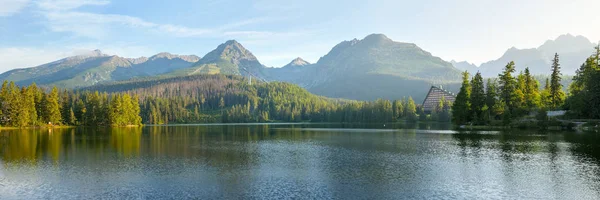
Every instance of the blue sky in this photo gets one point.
(34, 32)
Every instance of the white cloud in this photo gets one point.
(69, 4)
(11, 7)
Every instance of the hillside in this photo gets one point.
(228, 98)
(205, 98)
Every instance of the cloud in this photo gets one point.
(11, 7)
(69, 4)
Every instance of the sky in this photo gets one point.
(34, 32)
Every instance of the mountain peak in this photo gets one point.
(566, 43)
(298, 62)
(230, 50)
(94, 53)
(231, 42)
(228, 58)
(376, 36)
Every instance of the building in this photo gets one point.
(432, 100)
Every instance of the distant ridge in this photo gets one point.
(572, 50)
(96, 67)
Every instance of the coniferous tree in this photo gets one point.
(508, 92)
(72, 119)
(461, 110)
(52, 110)
(557, 96)
(545, 100)
(477, 99)
(532, 94)
(491, 99)
(30, 106)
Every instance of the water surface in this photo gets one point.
(306, 161)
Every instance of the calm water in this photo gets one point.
(324, 161)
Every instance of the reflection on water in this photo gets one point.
(298, 161)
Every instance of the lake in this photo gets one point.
(300, 161)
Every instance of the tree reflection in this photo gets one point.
(126, 141)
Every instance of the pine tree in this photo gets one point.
(13, 105)
(532, 93)
(491, 99)
(52, 110)
(557, 96)
(136, 110)
(29, 104)
(461, 110)
(22, 118)
(72, 118)
(477, 98)
(545, 100)
(508, 90)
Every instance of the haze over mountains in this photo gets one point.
(361, 69)
(572, 51)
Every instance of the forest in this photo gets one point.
(231, 99)
(33, 106)
(194, 99)
(514, 97)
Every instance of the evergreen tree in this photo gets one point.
(557, 96)
(72, 119)
(532, 93)
(478, 99)
(508, 92)
(461, 110)
(52, 110)
(545, 100)
(491, 99)
(29, 105)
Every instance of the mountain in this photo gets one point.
(96, 67)
(298, 62)
(572, 51)
(371, 68)
(464, 66)
(367, 69)
(229, 58)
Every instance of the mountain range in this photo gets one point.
(371, 68)
(360, 69)
(96, 67)
(572, 51)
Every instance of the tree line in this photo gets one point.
(230, 99)
(511, 97)
(35, 106)
(584, 99)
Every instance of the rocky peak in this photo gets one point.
(231, 51)
(298, 62)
